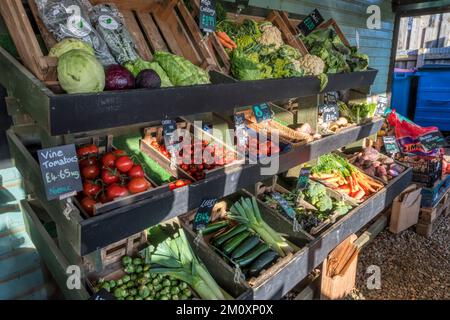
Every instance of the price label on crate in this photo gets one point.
(102, 295)
(284, 204)
(203, 215)
(207, 17)
(382, 104)
(303, 178)
(311, 22)
(60, 171)
(390, 145)
(262, 112)
(169, 127)
(432, 140)
(330, 108)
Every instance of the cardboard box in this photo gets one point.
(405, 209)
(339, 270)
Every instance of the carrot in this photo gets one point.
(344, 189)
(359, 195)
(332, 180)
(226, 40)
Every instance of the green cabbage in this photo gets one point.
(70, 44)
(80, 72)
(243, 67)
(136, 66)
(180, 71)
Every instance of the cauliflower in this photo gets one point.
(312, 65)
(271, 36)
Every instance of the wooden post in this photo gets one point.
(421, 57)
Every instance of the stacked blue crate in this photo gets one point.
(21, 273)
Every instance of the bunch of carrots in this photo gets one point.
(338, 174)
(225, 40)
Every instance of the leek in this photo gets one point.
(175, 257)
(247, 211)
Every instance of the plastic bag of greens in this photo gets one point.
(70, 19)
(108, 21)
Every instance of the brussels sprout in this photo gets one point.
(118, 293)
(130, 298)
(187, 292)
(106, 286)
(125, 293)
(173, 283)
(147, 267)
(138, 298)
(138, 269)
(144, 292)
(183, 285)
(158, 287)
(119, 282)
(123, 287)
(133, 277)
(146, 274)
(126, 278)
(175, 297)
(175, 290)
(133, 292)
(165, 290)
(131, 284)
(149, 298)
(164, 297)
(172, 278)
(142, 281)
(166, 283)
(160, 277)
(121, 298)
(137, 261)
(112, 283)
(155, 281)
(129, 269)
(126, 260)
(184, 297)
(153, 275)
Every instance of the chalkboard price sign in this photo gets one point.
(207, 18)
(60, 171)
(262, 112)
(311, 22)
(390, 145)
(330, 109)
(203, 215)
(303, 178)
(284, 205)
(432, 140)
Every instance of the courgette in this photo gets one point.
(234, 242)
(216, 226)
(248, 258)
(219, 240)
(261, 262)
(245, 247)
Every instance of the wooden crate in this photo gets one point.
(429, 217)
(153, 25)
(279, 19)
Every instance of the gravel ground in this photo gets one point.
(412, 267)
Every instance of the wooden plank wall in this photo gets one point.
(351, 16)
(21, 273)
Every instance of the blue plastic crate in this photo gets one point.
(431, 196)
(401, 90)
(433, 97)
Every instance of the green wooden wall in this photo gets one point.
(351, 16)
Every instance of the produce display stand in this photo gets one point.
(53, 118)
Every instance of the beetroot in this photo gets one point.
(118, 78)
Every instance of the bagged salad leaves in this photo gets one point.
(70, 19)
(108, 22)
(180, 71)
